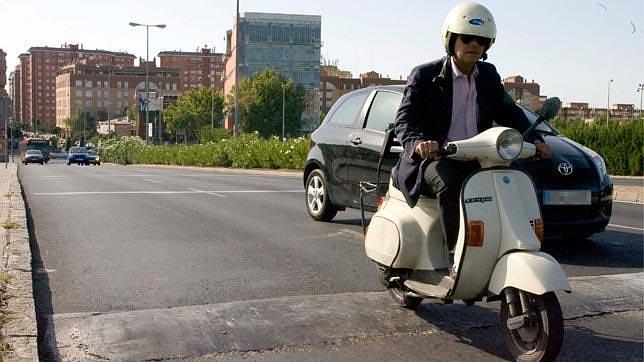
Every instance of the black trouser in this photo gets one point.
(444, 179)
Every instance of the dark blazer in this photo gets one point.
(425, 113)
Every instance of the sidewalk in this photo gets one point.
(19, 331)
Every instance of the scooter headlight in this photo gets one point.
(509, 144)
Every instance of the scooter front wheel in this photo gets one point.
(541, 336)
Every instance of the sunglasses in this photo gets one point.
(466, 39)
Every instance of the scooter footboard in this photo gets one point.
(535, 272)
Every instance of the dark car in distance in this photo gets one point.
(93, 157)
(573, 186)
(77, 155)
(33, 156)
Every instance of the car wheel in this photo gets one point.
(42, 163)
(318, 203)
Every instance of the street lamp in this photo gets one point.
(283, 103)
(608, 103)
(640, 89)
(147, 54)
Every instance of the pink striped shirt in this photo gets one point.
(465, 110)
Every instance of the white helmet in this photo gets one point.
(469, 19)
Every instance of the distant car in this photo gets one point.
(93, 157)
(573, 186)
(58, 153)
(77, 155)
(33, 156)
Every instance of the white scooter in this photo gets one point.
(497, 254)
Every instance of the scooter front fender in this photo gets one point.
(535, 272)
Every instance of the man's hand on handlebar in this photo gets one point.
(428, 150)
(543, 151)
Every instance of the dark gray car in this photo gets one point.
(574, 189)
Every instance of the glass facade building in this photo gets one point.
(290, 44)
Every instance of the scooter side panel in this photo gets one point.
(518, 208)
(474, 264)
(418, 229)
(535, 272)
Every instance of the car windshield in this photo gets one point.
(34, 152)
(92, 153)
(77, 150)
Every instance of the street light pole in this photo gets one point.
(283, 103)
(640, 89)
(236, 115)
(608, 103)
(147, 87)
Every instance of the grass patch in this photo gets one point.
(8, 224)
(5, 278)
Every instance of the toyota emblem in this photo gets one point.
(565, 168)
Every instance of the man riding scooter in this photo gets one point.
(452, 99)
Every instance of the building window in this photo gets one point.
(88, 84)
(118, 84)
(79, 83)
(88, 93)
(79, 93)
(126, 85)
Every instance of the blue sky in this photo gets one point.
(572, 48)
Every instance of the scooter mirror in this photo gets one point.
(550, 108)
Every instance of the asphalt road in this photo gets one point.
(116, 239)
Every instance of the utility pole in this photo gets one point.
(608, 103)
(237, 42)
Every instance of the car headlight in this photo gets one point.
(509, 144)
(598, 161)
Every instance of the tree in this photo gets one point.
(79, 120)
(193, 110)
(260, 104)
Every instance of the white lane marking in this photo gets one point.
(147, 179)
(209, 193)
(77, 193)
(628, 202)
(626, 227)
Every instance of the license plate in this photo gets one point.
(556, 197)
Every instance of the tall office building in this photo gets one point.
(38, 70)
(288, 43)
(203, 68)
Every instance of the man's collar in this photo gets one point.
(457, 72)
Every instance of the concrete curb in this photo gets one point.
(21, 331)
(269, 324)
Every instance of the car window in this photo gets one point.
(348, 111)
(77, 150)
(383, 110)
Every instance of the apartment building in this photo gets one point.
(3, 72)
(526, 93)
(288, 43)
(106, 91)
(203, 68)
(5, 102)
(38, 70)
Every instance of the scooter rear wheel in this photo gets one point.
(541, 337)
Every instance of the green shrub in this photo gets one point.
(621, 145)
(246, 151)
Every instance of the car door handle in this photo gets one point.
(356, 141)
